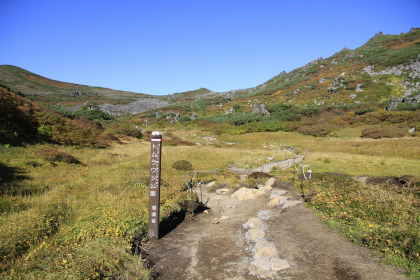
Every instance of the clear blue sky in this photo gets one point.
(162, 47)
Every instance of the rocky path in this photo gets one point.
(265, 233)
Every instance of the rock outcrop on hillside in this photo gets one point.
(393, 103)
(135, 107)
(260, 108)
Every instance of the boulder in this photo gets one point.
(230, 111)
(265, 188)
(246, 193)
(260, 108)
(270, 182)
(393, 103)
(277, 201)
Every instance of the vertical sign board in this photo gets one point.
(154, 189)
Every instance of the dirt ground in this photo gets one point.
(214, 245)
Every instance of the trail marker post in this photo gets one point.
(154, 188)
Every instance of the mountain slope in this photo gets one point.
(51, 91)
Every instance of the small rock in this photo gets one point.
(262, 264)
(223, 218)
(411, 130)
(290, 203)
(252, 223)
(205, 211)
(222, 191)
(277, 201)
(215, 221)
(264, 215)
(270, 182)
(256, 233)
(279, 264)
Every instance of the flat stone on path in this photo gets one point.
(279, 264)
(264, 215)
(277, 193)
(290, 203)
(256, 233)
(246, 194)
(252, 223)
(262, 264)
(263, 248)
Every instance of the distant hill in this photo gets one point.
(51, 91)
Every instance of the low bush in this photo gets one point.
(377, 132)
(94, 115)
(403, 106)
(182, 165)
(317, 130)
(52, 155)
(364, 111)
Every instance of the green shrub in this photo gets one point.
(184, 119)
(403, 106)
(94, 115)
(364, 111)
(377, 132)
(44, 132)
(182, 165)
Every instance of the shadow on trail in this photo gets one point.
(176, 218)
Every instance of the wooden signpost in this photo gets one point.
(154, 189)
